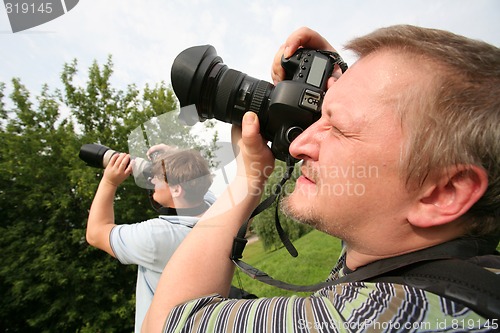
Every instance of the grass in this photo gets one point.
(318, 253)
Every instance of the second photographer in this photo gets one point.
(181, 181)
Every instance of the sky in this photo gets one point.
(144, 36)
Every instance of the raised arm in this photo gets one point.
(201, 265)
(101, 216)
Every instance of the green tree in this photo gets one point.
(50, 279)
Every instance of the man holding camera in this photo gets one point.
(421, 107)
(181, 182)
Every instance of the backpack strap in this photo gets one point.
(440, 269)
(461, 248)
(457, 280)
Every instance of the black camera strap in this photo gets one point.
(192, 211)
(240, 240)
(446, 270)
(337, 59)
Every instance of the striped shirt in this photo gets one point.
(346, 307)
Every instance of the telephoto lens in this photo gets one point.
(98, 156)
(95, 155)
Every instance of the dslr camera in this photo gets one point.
(200, 78)
(98, 156)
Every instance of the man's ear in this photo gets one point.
(449, 197)
(176, 191)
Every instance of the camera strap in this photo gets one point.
(192, 211)
(240, 240)
(446, 270)
(337, 59)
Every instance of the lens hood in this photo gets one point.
(189, 70)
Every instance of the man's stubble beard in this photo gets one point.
(305, 216)
(309, 216)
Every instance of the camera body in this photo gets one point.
(296, 102)
(199, 77)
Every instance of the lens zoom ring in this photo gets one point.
(258, 96)
(226, 86)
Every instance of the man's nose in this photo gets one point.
(306, 145)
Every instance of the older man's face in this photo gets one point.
(350, 179)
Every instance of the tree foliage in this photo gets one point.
(50, 279)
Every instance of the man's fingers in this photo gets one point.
(251, 133)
